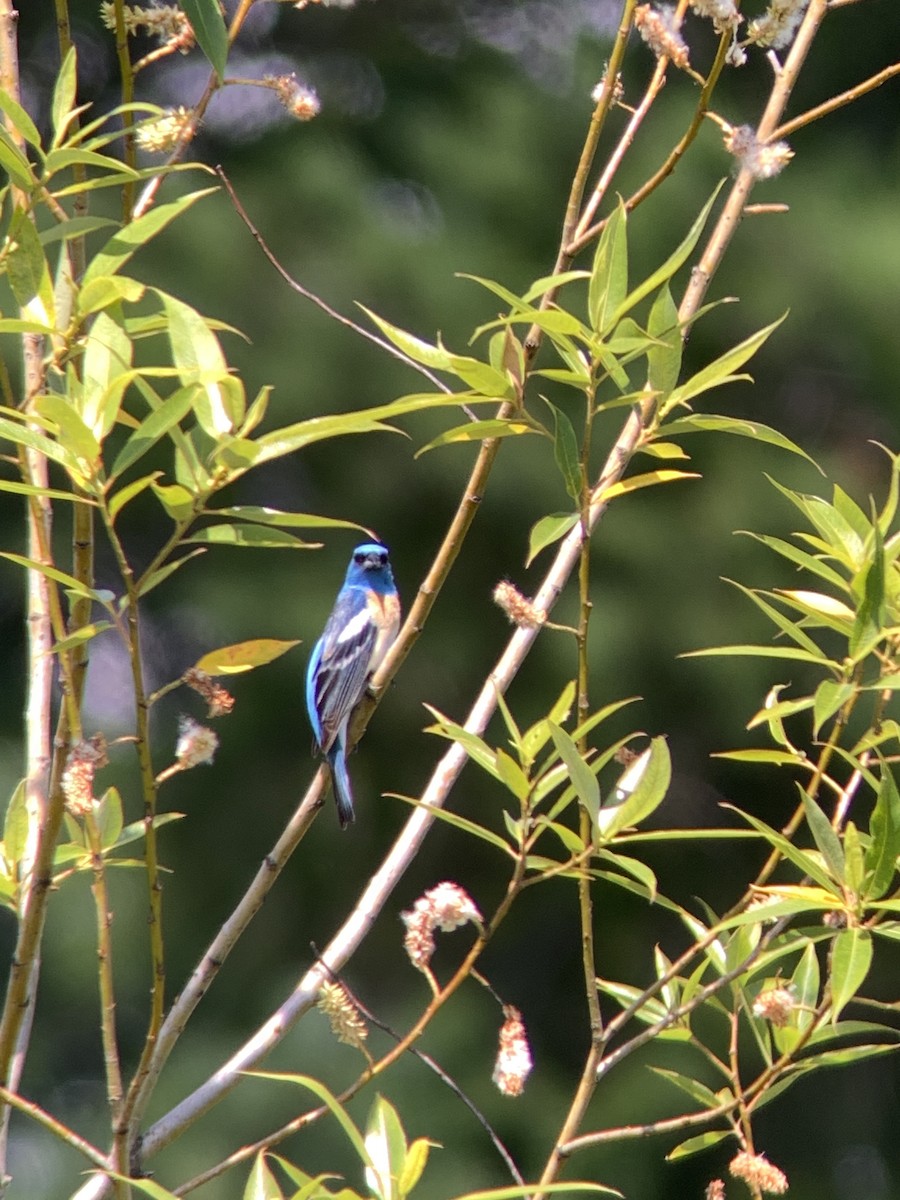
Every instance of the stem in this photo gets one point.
(836, 102)
(114, 1090)
(149, 793)
(50, 1123)
(127, 92)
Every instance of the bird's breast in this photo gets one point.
(384, 613)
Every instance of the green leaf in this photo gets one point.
(29, 273)
(755, 430)
(664, 361)
(641, 789)
(274, 516)
(386, 1144)
(548, 530)
(827, 841)
(650, 479)
(477, 431)
(107, 290)
(458, 822)
(834, 529)
(295, 437)
(884, 837)
(519, 1193)
(80, 636)
(694, 1145)
(721, 370)
(122, 245)
(586, 787)
(15, 827)
(703, 1095)
(565, 451)
(261, 1183)
(259, 537)
(155, 578)
(609, 274)
(331, 1101)
(414, 1166)
(794, 554)
(118, 501)
(198, 356)
(760, 652)
(243, 656)
(208, 25)
(806, 862)
(512, 776)
(870, 617)
(435, 357)
(675, 260)
(31, 489)
(476, 748)
(71, 430)
(536, 738)
(830, 696)
(108, 816)
(146, 1187)
(106, 374)
(12, 160)
(68, 581)
(20, 121)
(64, 96)
(154, 427)
(175, 499)
(805, 983)
(851, 957)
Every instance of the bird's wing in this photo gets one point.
(344, 655)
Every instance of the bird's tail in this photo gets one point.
(342, 793)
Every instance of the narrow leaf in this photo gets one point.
(548, 530)
(851, 957)
(208, 24)
(581, 775)
(477, 431)
(243, 656)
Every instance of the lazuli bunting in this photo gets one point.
(362, 627)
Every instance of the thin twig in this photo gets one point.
(836, 102)
(382, 343)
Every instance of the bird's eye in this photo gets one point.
(359, 558)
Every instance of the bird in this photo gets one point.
(361, 629)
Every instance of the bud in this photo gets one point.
(164, 21)
(762, 160)
(196, 744)
(164, 133)
(723, 13)
(513, 1065)
(775, 1005)
(346, 1023)
(520, 611)
(78, 777)
(757, 1172)
(658, 29)
(444, 907)
(299, 100)
(776, 27)
(219, 701)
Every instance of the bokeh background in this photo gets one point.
(446, 143)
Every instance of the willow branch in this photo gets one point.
(836, 102)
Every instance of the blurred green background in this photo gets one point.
(446, 143)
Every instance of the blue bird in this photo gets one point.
(361, 629)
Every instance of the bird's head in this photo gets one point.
(370, 567)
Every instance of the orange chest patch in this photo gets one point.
(384, 611)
